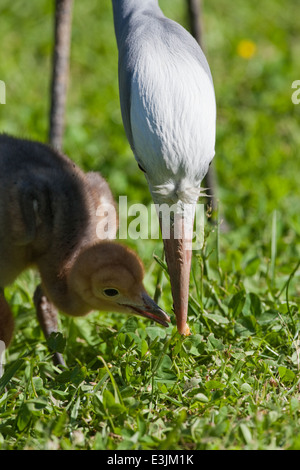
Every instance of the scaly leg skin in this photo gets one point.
(47, 317)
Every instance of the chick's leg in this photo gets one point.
(47, 317)
(6, 321)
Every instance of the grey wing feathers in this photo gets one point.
(182, 40)
(143, 31)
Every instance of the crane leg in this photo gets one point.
(210, 180)
(60, 70)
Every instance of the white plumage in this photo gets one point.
(169, 114)
(172, 116)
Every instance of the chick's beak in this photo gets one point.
(149, 309)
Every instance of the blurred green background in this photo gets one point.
(243, 355)
(253, 49)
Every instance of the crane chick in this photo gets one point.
(48, 220)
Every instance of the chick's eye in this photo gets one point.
(111, 292)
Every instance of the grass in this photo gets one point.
(234, 383)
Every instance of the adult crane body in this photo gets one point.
(50, 211)
(169, 114)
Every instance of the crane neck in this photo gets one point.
(126, 7)
(124, 10)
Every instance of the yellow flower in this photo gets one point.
(246, 49)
